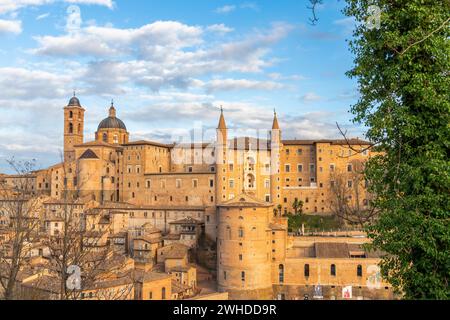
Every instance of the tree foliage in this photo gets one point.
(402, 71)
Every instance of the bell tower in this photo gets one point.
(221, 158)
(275, 155)
(73, 127)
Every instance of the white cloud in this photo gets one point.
(106, 41)
(311, 97)
(226, 9)
(220, 28)
(13, 5)
(43, 16)
(106, 3)
(31, 84)
(241, 84)
(279, 77)
(161, 54)
(10, 26)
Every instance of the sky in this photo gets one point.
(169, 66)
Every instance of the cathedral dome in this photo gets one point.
(112, 122)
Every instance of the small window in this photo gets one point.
(359, 270)
(281, 273)
(333, 270)
(243, 276)
(306, 270)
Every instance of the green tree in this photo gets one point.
(297, 206)
(402, 69)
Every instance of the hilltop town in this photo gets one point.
(119, 219)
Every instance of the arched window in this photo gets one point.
(70, 127)
(116, 139)
(241, 232)
(281, 273)
(70, 114)
(228, 232)
(79, 128)
(163, 293)
(105, 137)
(306, 270)
(333, 270)
(359, 270)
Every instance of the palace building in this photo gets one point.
(236, 191)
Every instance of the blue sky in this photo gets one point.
(169, 65)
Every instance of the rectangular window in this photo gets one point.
(312, 168)
(149, 184)
(350, 183)
(299, 152)
(332, 167)
(267, 183)
(300, 168)
(349, 168)
(178, 183)
(287, 168)
(194, 183)
(267, 197)
(211, 183)
(231, 183)
(243, 276)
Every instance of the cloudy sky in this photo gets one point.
(169, 65)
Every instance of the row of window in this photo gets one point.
(178, 183)
(306, 272)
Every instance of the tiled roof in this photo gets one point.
(174, 251)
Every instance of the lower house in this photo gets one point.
(48, 287)
(153, 286)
